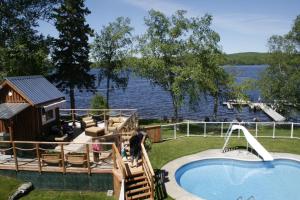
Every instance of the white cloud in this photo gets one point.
(250, 24)
(165, 6)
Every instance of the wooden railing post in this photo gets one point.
(88, 158)
(62, 158)
(15, 156)
(37, 148)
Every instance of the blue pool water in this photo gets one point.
(225, 179)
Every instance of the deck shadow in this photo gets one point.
(161, 177)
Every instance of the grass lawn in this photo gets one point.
(162, 153)
(9, 185)
(66, 195)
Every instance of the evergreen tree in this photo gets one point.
(23, 51)
(71, 54)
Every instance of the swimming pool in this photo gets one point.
(216, 179)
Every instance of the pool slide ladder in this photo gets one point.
(250, 198)
(266, 156)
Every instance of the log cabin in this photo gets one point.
(29, 107)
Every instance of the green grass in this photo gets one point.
(66, 195)
(9, 185)
(162, 153)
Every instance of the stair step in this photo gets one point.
(132, 191)
(140, 196)
(135, 178)
(134, 185)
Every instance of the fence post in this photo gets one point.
(256, 129)
(188, 128)
(273, 130)
(292, 130)
(222, 124)
(87, 151)
(37, 146)
(239, 131)
(204, 129)
(15, 156)
(73, 117)
(62, 158)
(175, 131)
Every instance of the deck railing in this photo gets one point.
(148, 170)
(75, 115)
(120, 172)
(55, 156)
(218, 129)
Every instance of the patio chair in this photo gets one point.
(87, 122)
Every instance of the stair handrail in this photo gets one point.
(148, 169)
(118, 161)
(122, 192)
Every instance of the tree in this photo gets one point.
(23, 51)
(179, 54)
(110, 50)
(98, 102)
(281, 79)
(71, 54)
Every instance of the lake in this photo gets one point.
(153, 102)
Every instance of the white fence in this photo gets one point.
(219, 129)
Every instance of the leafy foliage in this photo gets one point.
(98, 102)
(22, 50)
(71, 53)
(110, 50)
(246, 58)
(281, 80)
(182, 56)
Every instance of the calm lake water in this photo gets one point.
(153, 102)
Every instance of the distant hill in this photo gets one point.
(246, 58)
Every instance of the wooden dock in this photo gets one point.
(262, 106)
(270, 112)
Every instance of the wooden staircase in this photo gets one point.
(137, 187)
(138, 181)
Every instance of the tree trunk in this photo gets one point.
(107, 91)
(175, 108)
(216, 100)
(72, 98)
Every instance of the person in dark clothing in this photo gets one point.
(135, 146)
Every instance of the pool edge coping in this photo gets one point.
(177, 192)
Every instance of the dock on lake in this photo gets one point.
(263, 106)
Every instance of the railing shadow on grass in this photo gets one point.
(161, 177)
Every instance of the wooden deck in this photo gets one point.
(9, 163)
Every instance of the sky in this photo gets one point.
(243, 25)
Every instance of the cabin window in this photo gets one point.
(48, 116)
